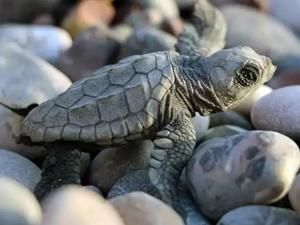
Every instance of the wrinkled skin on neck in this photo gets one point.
(194, 85)
(221, 81)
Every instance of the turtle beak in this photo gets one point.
(269, 70)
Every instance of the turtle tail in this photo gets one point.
(19, 109)
(204, 33)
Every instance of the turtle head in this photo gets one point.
(237, 73)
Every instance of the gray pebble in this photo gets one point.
(18, 168)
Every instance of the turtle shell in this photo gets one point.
(117, 103)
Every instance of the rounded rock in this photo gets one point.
(18, 206)
(19, 169)
(294, 194)
(44, 41)
(286, 11)
(40, 83)
(72, 205)
(284, 79)
(245, 107)
(256, 167)
(260, 215)
(113, 163)
(100, 47)
(279, 111)
(147, 40)
(143, 209)
(269, 33)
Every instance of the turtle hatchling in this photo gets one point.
(151, 96)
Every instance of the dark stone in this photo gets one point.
(24, 11)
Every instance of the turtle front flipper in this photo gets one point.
(19, 109)
(174, 146)
(204, 33)
(61, 167)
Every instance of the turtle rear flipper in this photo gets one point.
(19, 109)
(204, 33)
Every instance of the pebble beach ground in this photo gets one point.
(245, 168)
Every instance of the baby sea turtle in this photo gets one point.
(150, 96)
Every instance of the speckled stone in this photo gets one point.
(113, 163)
(294, 194)
(18, 206)
(256, 167)
(37, 81)
(44, 41)
(143, 209)
(19, 169)
(269, 32)
(222, 131)
(245, 107)
(72, 205)
(260, 215)
(279, 111)
(201, 124)
(229, 118)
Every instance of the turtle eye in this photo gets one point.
(247, 75)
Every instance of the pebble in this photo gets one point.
(285, 63)
(146, 18)
(24, 11)
(146, 40)
(19, 169)
(201, 124)
(222, 131)
(260, 215)
(100, 48)
(229, 118)
(143, 209)
(18, 206)
(86, 14)
(269, 32)
(245, 107)
(286, 11)
(261, 5)
(113, 163)
(279, 111)
(168, 9)
(137, 180)
(255, 167)
(40, 82)
(294, 194)
(44, 41)
(72, 205)
(284, 79)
